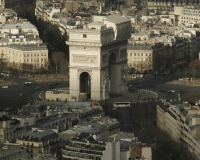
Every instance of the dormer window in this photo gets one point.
(84, 35)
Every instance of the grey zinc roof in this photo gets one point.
(35, 136)
(28, 47)
(116, 19)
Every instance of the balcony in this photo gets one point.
(98, 149)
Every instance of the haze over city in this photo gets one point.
(99, 80)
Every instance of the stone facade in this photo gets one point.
(99, 49)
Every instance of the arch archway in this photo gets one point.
(112, 72)
(85, 84)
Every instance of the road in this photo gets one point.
(151, 87)
(14, 91)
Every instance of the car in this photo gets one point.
(152, 86)
(162, 91)
(36, 88)
(57, 84)
(21, 94)
(172, 91)
(4, 86)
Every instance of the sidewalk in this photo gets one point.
(186, 83)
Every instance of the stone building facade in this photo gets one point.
(98, 53)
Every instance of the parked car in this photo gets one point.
(4, 86)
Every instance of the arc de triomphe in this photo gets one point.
(98, 52)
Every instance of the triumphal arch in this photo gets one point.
(98, 52)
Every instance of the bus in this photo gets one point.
(121, 104)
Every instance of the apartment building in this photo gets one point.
(36, 56)
(100, 132)
(25, 120)
(168, 5)
(16, 28)
(2, 3)
(143, 56)
(36, 109)
(10, 129)
(84, 110)
(182, 123)
(71, 6)
(40, 142)
(10, 151)
(45, 10)
(86, 147)
(58, 122)
(21, 45)
(100, 127)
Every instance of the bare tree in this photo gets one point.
(51, 35)
(3, 65)
(64, 65)
(56, 58)
(194, 65)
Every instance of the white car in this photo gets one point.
(172, 91)
(4, 86)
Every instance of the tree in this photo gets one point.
(192, 97)
(64, 65)
(56, 58)
(194, 65)
(158, 62)
(51, 35)
(3, 65)
(26, 67)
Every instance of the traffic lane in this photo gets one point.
(16, 89)
(158, 84)
(177, 88)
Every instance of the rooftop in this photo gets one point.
(28, 47)
(39, 135)
(116, 19)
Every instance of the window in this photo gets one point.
(130, 54)
(84, 35)
(138, 54)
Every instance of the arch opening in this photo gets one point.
(85, 84)
(112, 72)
